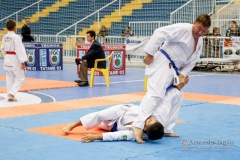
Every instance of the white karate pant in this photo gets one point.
(160, 76)
(104, 119)
(168, 110)
(14, 80)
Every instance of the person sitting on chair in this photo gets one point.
(94, 52)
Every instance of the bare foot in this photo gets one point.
(171, 135)
(67, 129)
(138, 134)
(11, 98)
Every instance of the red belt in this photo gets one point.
(10, 52)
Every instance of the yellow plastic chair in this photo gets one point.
(105, 71)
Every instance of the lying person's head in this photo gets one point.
(153, 129)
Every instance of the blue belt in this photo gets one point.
(170, 87)
(174, 67)
(170, 60)
(114, 128)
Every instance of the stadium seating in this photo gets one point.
(7, 9)
(13, 8)
(55, 21)
(155, 11)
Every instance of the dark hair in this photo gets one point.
(234, 22)
(10, 24)
(155, 131)
(204, 19)
(92, 33)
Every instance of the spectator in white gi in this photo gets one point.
(14, 57)
(182, 46)
(118, 120)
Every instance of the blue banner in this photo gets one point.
(44, 56)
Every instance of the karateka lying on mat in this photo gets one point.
(118, 120)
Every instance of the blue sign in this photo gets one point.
(44, 56)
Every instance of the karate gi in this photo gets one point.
(12, 42)
(178, 42)
(124, 114)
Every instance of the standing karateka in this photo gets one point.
(118, 120)
(172, 52)
(14, 57)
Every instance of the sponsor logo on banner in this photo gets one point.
(50, 45)
(43, 57)
(117, 60)
(30, 45)
(133, 41)
(54, 56)
(31, 56)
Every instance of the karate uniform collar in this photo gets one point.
(11, 32)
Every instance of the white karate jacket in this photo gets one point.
(13, 42)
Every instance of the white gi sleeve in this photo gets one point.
(186, 69)
(20, 49)
(126, 135)
(163, 34)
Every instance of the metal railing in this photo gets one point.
(17, 13)
(188, 12)
(92, 14)
(222, 1)
(220, 54)
(226, 14)
(212, 46)
(223, 24)
(146, 28)
(184, 14)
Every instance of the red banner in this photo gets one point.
(118, 62)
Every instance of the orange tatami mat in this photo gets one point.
(76, 134)
(206, 98)
(212, 98)
(39, 84)
(8, 112)
(42, 108)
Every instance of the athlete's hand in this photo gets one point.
(148, 59)
(181, 79)
(181, 85)
(23, 66)
(187, 79)
(138, 132)
(88, 138)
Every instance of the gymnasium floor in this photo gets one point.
(208, 122)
